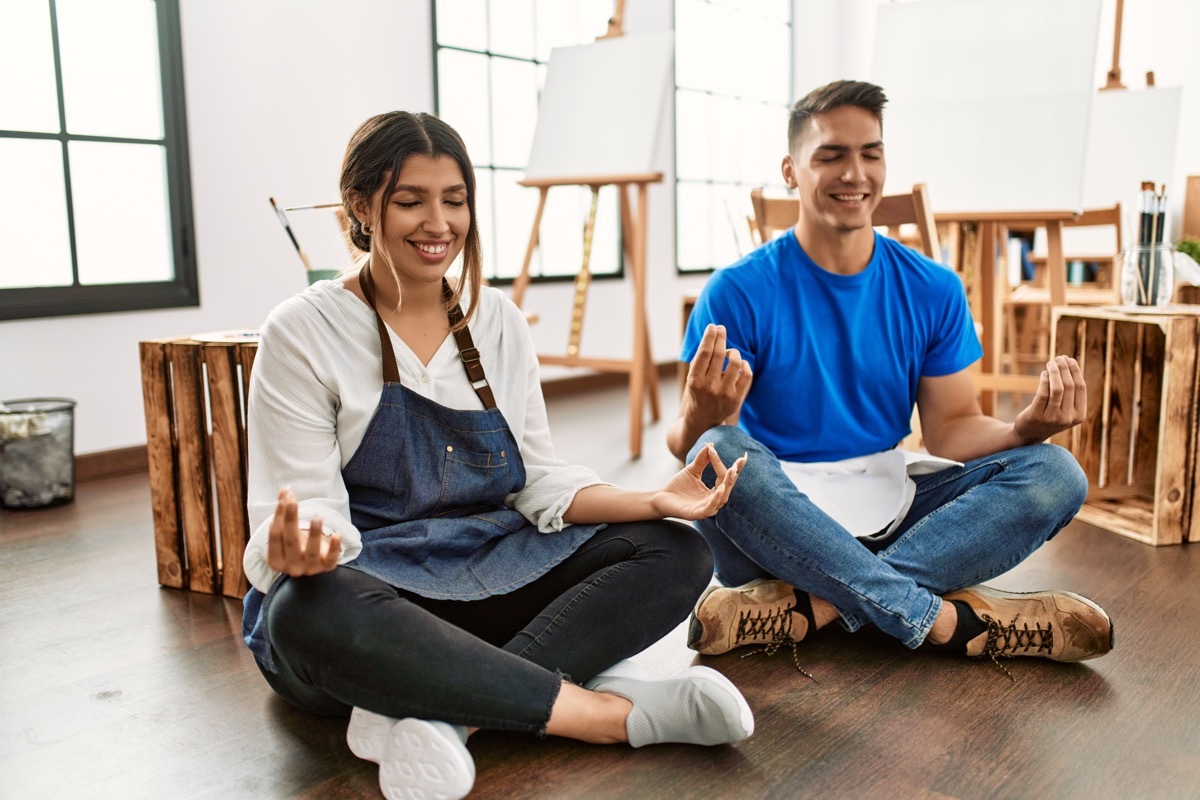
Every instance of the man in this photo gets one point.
(809, 354)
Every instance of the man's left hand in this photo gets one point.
(1060, 402)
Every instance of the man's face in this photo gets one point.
(838, 169)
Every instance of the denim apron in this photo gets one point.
(426, 488)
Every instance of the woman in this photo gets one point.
(432, 567)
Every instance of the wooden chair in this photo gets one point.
(1026, 307)
(773, 214)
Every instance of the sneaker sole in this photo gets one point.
(425, 761)
(367, 734)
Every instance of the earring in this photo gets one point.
(367, 230)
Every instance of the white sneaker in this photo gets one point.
(696, 706)
(418, 759)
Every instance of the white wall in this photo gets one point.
(274, 89)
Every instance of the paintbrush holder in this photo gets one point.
(1147, 275)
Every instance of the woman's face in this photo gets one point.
(425, 220)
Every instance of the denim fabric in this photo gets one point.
(966, 525)
(427, 487)
(344, 638)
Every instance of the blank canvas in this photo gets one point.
(989, 101)
(600, 109)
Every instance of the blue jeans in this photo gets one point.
(967, 524)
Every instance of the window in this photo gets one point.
(730, 121)
(490, 64)
(95, 206)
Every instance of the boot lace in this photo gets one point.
(1006, 641)
(776, 627)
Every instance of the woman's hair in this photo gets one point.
(374, 158)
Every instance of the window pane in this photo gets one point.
(693, 147)
(122, 228)
(514, 103)
(728, 224)
(511, 28)
(110, 68)
(484, 214)
(35, 248)
(693, 245)
(462, 23)
(692, 48)
(29, 103)
(463, 100)
(562, 24)
(763, 71)
(515, 210)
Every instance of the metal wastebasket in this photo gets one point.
(37, 452)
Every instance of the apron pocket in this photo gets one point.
(472, 481)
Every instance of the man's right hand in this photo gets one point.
(718, 381)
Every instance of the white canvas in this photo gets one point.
(600, 109)
(989, 102)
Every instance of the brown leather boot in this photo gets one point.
(1061, 626)
(760, 612)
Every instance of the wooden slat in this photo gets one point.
(194, 487)
(1132, 517)
(1066, 334)
(228, 461)
(1148, 423)
(1121, 404)
(1193, 531)
(1094, 338)
(1171, 500)
(156, 397)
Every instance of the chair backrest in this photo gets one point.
(1103, 240)
(773, 214)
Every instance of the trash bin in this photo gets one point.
(37, 452)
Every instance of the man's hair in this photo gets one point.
(860, 94)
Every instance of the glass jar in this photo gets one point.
(1147, 275)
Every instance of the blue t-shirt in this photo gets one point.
(836, 358)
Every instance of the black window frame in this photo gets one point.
(183, 290)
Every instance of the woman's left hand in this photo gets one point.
(686, 496)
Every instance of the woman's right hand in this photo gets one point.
(298, 551)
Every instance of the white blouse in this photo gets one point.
(315, 385)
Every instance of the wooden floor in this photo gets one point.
(112, 687)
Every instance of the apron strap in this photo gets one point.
(391, 372)
(467, 351)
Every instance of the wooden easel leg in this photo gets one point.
(521, 282)
(652, 391)
(640, 378)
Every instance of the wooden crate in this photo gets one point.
(1138, 443)
(195, 399)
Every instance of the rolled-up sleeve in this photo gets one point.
(292, 439)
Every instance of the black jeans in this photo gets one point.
(344, 638)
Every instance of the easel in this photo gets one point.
(643, 376)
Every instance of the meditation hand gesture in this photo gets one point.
(686, 496)
(298, 551)
(1060, 402)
